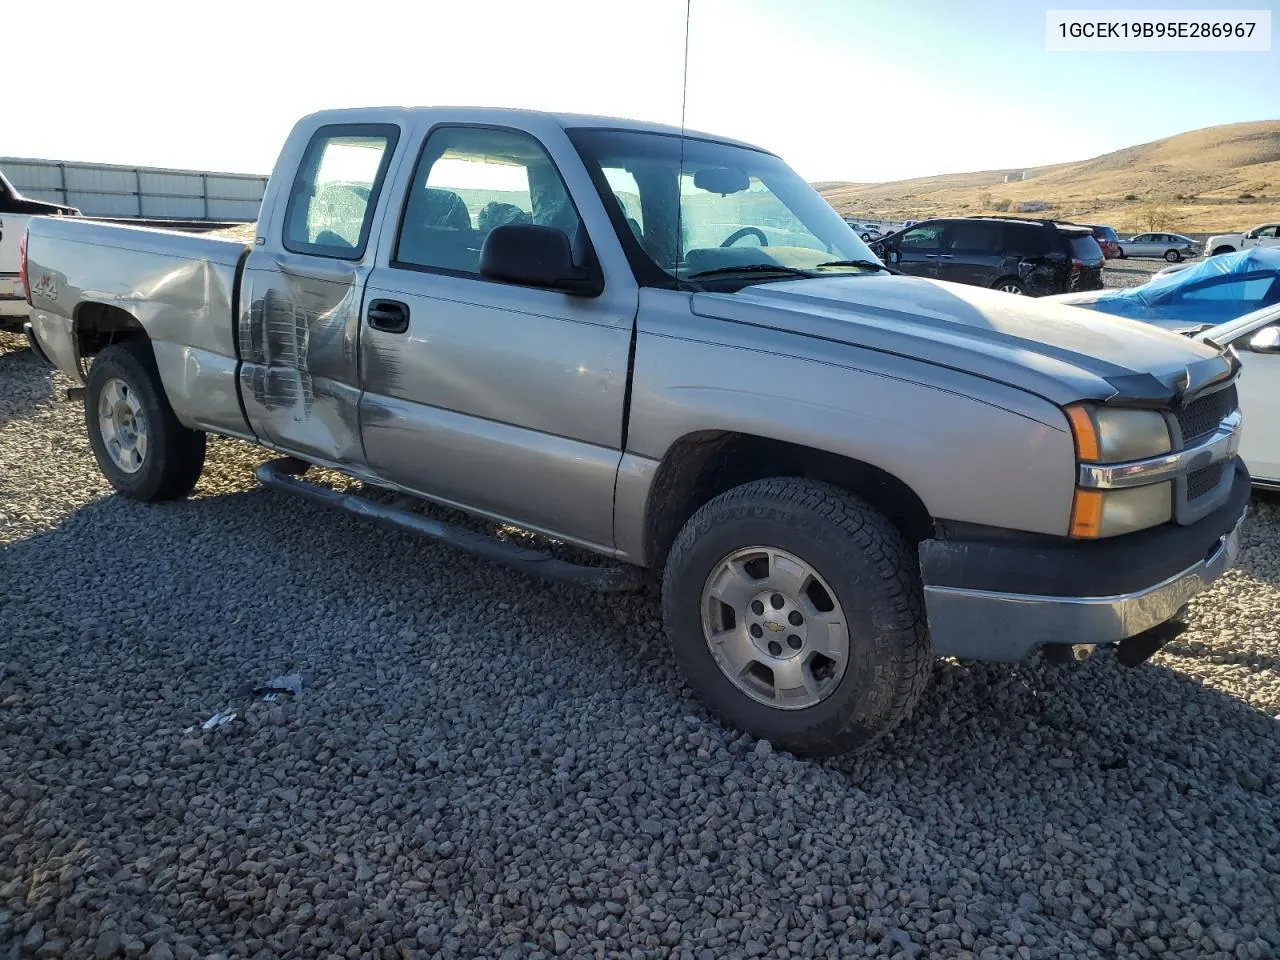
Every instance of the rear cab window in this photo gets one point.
(335, 190)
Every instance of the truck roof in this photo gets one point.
(505, 115)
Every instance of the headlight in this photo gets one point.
(1114, 435)
(1108, 513)
(1117, 435)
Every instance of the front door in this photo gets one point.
(299, 379)
(503, 399)
(1269, 236)
(919, 249)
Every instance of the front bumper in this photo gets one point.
(981, 623)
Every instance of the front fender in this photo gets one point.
(971, 455)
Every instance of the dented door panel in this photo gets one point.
(299, 328)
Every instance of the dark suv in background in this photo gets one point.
(1033, 257)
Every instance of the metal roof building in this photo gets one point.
(108, 190)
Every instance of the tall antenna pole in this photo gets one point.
(684, 100)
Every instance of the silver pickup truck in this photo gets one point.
(671, 352)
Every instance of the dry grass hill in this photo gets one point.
(1211, 180)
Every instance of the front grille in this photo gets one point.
(1200, 482)
(1201, 417)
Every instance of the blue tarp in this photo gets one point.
(1170, 299)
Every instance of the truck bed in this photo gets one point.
(181, 288)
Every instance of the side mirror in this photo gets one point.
(535, 256)
(1266, 340)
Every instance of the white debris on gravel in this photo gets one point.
(486, 766)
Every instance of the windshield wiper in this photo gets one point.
(750, 268)
(872, 264)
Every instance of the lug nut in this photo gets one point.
(794, 642)
(775, 648)
(757, 608)
(757, 631)
(795, 618)
(777, 601)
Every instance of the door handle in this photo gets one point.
(390, 316)
(932, 255)
(945, 256)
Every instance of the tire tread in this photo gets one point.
(902, 653)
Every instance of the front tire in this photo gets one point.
(1010, 285)
(1172, 256)
(141, 448)
(795, 611)
(1222, 250)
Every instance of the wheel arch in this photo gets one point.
(700, 466)
(96, 325)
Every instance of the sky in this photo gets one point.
(859, 90)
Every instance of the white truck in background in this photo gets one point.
(15, 211)
(1263, 235)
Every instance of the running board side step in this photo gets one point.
(284, 475)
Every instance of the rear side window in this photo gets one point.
(335, 192)
(1027, 240)
(974, 236)
(1084, 247)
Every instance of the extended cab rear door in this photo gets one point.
(506, 400)
(303, 286)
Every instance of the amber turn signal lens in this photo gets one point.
(1086, 434)
(1086, 514)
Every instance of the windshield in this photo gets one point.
(726, 207)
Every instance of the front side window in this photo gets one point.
(719, 207)
(1269, 232)
(470, 180)
(926, 237)
(334, 194)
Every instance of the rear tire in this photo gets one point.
(1172, 256)
(798, 533)
(141, 448)
(1010, 285)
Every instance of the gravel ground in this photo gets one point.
(482, 766)
(1130, 272)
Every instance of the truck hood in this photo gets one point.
(1058, 352)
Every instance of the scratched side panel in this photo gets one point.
(972, 450)
(299, 323)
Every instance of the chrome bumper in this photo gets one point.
(984, 625)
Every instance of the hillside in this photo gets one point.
(1210, 180)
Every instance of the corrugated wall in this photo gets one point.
(103, 190)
